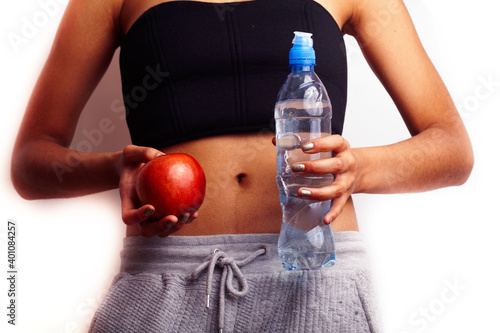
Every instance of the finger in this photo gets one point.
(336, 208)
(341, 185)
(138, 154)
(335, 143)
(136, 216)
(127, 178)
(322, 167)
(193, 217)
(129, 200)
(152, 228)
(176, 227)
(323, 193)
(182, 220)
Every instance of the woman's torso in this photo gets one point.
(241, 196)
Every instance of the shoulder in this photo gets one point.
(102, 14)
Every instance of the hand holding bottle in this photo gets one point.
(342, 165)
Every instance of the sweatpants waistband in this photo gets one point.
(183, 254)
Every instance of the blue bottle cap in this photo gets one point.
(302, 52)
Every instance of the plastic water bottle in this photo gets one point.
(302, 113)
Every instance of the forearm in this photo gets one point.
(436, 157)
(44, 169)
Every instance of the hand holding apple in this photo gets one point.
(132, 159)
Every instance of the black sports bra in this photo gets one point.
(193, 69)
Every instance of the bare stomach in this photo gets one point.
(241, 195)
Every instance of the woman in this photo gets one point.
(237, 156)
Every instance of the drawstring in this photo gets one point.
(230, 268)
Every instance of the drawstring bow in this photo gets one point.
(230, 269)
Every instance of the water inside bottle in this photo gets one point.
(305, 242)
(304, 239)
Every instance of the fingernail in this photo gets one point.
(307, 146)
(184, 218)
(192, 219)
(169, 224)
(160, 154)
(148, 212)
(330, 220)
(305, 193)
(298, 167)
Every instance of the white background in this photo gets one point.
(419, 244)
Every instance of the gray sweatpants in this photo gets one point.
(235, 283)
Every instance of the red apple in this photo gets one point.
(174, 184)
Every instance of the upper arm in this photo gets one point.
(385, 32)
(82, 50)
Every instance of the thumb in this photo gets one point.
(139, 154)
